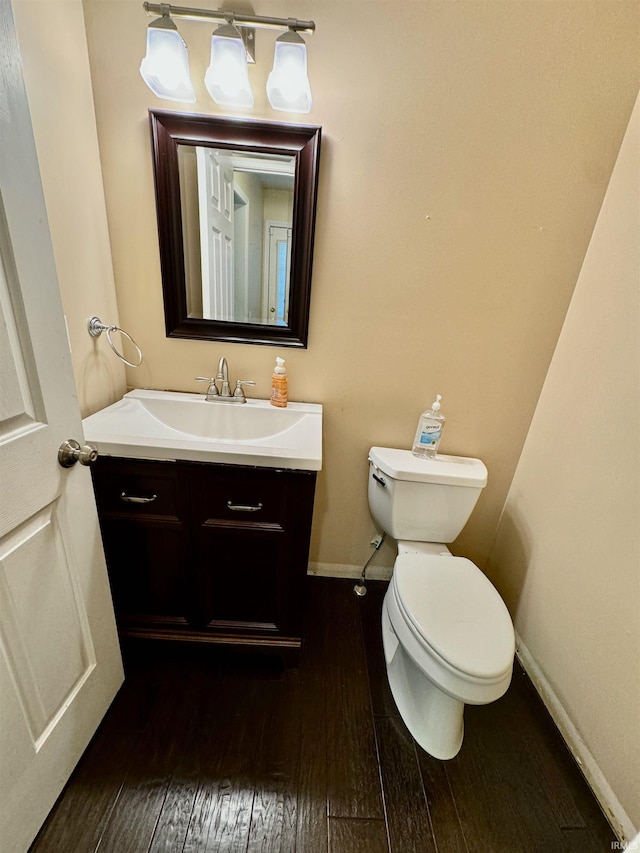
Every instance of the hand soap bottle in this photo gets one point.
(279, 385)
(429, 432)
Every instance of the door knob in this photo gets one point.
(71, 452)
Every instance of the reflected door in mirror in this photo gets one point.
(237, 214)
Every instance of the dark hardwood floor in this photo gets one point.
(203, 751)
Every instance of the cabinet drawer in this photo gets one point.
(135, 490)
(240, 497)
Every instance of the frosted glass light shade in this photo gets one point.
(227, 77)
(288, 86)
(165, 68)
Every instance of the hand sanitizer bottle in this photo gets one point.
(429, 432)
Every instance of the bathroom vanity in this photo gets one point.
(207, 549)
(205, 552)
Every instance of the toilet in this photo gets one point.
(447, 635)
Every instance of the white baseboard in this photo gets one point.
(344, 570)
(617, 816)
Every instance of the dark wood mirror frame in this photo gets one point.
(170, 129)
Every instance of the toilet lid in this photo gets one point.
(457, 612)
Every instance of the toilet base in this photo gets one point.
(434, 719)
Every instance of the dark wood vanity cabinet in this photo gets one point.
(206, 553)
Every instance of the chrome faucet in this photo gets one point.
(223, 376)
(224, 395)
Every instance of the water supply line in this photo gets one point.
(360, 588)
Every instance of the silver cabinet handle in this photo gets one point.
(135, 499)
(244, 507)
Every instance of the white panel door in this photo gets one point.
(215, 198)
(60, 664)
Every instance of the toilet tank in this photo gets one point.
(423, 500)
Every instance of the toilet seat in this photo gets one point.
(454, 611)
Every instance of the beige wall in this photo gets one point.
(56, 69)
(567, 551)
(466, 150)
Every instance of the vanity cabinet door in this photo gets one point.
(240, 578)
(143, 512)
(252, 530)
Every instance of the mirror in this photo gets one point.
(236, 203)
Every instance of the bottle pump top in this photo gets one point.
(435, 406)
(279, 368)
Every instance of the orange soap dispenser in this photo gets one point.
(279, 385)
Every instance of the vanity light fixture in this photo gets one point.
(227, 77)
(288, 85)
(165, 68)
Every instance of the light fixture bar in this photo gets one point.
(230, 17)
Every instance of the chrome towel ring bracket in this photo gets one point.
(96, 327)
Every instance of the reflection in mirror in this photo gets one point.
(237, 221)
(236, 206)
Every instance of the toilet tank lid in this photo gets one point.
(442, 469)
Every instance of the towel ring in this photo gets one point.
(96, 327)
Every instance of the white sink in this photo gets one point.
(171, 425)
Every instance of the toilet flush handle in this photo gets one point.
(379, 480)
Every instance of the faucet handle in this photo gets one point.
(238, 390)
(212, 390)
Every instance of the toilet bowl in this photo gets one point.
(448, 641)
(447, 635)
